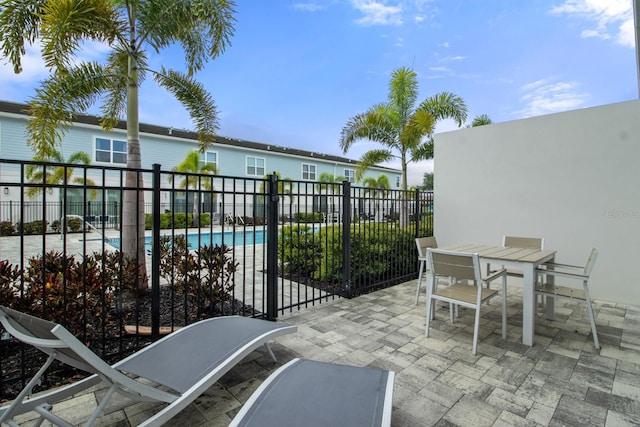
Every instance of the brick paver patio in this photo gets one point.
(562, 380)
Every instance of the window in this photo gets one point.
(111, 151)
(308, 171)
(255, 166)
(209, 157)
(350, 175)
(397, 182)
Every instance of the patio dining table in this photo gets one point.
(525, 259)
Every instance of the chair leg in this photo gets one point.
(430, 306)
(504, 308)
(419, 281)
(592, 318)
(476, 329)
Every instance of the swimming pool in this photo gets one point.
(229, 238)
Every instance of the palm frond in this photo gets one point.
(370, 159)
(203, 28)
(196, 99)
(403, 91)
(423, 152)
(57, 100)
(66, 24)
(19, 23)
(446, 105)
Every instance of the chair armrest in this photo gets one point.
(495, 275)
(567, 274)
(558, 265)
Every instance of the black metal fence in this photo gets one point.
(286, 245)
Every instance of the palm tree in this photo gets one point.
(192, 164)
(377, 188)
(54, 175)
(400, 127)
(130, 29)
(331, 184)
(481, 120)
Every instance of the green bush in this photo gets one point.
(377, 250)
(204, 277)
(307, 217)
(7, 228)
(35, 227)
(59, 288)
(55, 226)
(205, 219)
(75, 225)
(299, 250)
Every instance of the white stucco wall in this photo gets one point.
(572, 178)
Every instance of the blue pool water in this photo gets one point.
(230, 238)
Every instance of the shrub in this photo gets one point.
(55, 226)
(10, 285)
(205, 219)
(306, 217)
(70, 292)
(205, 276)
(377, 250)
(7, 228)
(75, 225)
(299, 250)
(35, 227)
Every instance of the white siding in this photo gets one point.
(572, 178)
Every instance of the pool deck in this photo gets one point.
(560, 381)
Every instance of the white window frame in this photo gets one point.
(350, 175)
(398, 182)
(111, 151)
(255, 166)
(204, 160)
(311, 176)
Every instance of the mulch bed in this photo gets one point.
(19, 362)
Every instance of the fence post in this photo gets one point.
(155, 253)
(346, 238)
(418, 213)
(272, 247)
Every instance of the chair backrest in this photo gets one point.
(423, 243)
(461, 265)
(593, 255)
(523, 242)
(40, 334)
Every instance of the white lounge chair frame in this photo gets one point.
(319, 394)
(186, 363)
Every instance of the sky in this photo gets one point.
(297, 70)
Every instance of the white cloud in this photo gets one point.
(377, 13)
(609, 19)
(308, 7)
(547, 96)
(33, 68)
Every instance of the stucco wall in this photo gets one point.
(572, 178)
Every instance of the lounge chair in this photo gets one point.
(318, 394)
(185, 363)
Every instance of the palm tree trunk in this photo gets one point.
(404, 211)
(133, 199)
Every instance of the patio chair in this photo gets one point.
(519, 242)
(185, 363)
(580, 294)
(465, 286)
(422, 244)
(318, 394)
